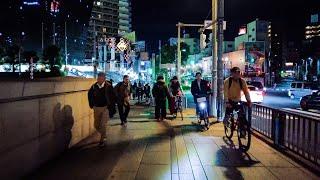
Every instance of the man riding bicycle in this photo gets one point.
(232, 91)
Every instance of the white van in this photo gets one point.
(300, 89)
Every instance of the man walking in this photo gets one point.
(100, 98)
(160, 92)
(122, 92)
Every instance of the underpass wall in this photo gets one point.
(39, 120)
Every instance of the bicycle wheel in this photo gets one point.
(229, 128)
(244, 135)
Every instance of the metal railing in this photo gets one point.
(293, 131)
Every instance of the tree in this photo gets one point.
(52, 57)
(169, 53)
(12, 56)
(185, 52)
(27, 55)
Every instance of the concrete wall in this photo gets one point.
(39, 120)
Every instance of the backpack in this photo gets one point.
(240, 82)
(160, 91)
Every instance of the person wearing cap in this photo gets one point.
(100, 98)
(232, 90)
(160, 93)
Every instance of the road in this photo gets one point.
(274, 99)
(280, 99)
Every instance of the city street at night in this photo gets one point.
(159, 90)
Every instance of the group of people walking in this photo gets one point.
(103, 96)
(141, 91)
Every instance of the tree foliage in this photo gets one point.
(169, 53)
(12, 56)
(52, 57)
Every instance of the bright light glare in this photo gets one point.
(202, 105)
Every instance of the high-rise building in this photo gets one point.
(36, 24)
(109, 18)
(124, 16)
(313, 28)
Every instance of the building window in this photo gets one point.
(104, 30)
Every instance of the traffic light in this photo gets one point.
(203, 42)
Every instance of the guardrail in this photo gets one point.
(289, 130)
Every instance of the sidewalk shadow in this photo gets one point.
(233, 159)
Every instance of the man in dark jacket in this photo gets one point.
(122, 92)
(200, 88)
(100, 97)
(160, 92)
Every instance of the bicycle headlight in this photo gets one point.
(202, 105)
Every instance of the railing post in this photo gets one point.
(274, 126)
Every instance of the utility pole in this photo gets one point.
(42, 36)
(220, 102)
(54, 33)
(65, 43)
(160, 56)
(214, 58)
(179, 25)
(179, 51)
(94, 57)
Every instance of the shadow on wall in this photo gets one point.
(63, 122)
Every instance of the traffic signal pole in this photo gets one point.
(179, 25)
(218, 6)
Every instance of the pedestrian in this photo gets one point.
(134, 90)
(147, 91)
(100, 98)
(122, 92)
(174, 89)
(160, 92)
(139, 92)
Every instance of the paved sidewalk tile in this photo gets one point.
(172, 149)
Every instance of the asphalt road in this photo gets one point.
(280, 99)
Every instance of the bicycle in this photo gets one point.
(203, 114)
(178, 106)
(237, 121)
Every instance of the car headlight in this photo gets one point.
(202, 105)
(265, 89)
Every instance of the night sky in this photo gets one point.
(155, 20)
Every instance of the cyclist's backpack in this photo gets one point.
(240, 82)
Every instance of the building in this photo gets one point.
(36, 24)
(312, 30)
(109, 18)
(124, 16)
(228, 46)
(311, 48)
(256, 30)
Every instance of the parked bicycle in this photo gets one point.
(237, 121)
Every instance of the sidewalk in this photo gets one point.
(146, 149)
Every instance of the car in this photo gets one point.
(257, 84)
(310, 101)
(301, 89)
(256, 95)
